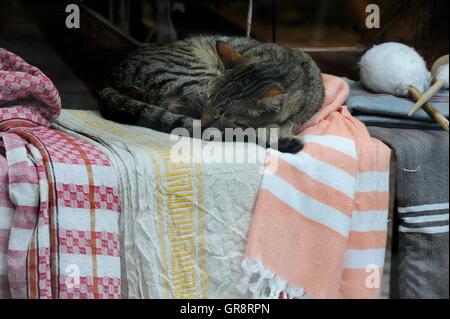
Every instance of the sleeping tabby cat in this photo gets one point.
(226, 81)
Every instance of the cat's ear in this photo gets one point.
(228, 57)
(273, 99)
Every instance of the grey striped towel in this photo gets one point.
(422, 210)
(386, 110)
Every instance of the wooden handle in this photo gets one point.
(443, 60)
(429, 108)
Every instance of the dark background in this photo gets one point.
(332, 31)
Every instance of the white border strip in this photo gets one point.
(426, 218)
(425, 230)
(422, 208)
(341, 144)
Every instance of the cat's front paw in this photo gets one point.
(290, 144)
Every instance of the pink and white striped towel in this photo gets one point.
(320, 220)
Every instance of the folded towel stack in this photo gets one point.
(387, 110)
(59, 201)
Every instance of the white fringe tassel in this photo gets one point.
(265, 284)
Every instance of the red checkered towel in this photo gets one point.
(59, 202)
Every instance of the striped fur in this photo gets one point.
(263, 85)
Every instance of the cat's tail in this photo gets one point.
(119, 107)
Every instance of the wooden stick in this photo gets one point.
(427, 95)
(429, 108)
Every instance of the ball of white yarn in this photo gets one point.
(392, 67)
(442, 73)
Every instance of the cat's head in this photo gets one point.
(246, 94)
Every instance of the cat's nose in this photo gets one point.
(206, 119)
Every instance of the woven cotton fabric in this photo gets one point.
(59, 201)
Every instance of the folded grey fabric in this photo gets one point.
(393, 122)
(387, 110)
(422, 209)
